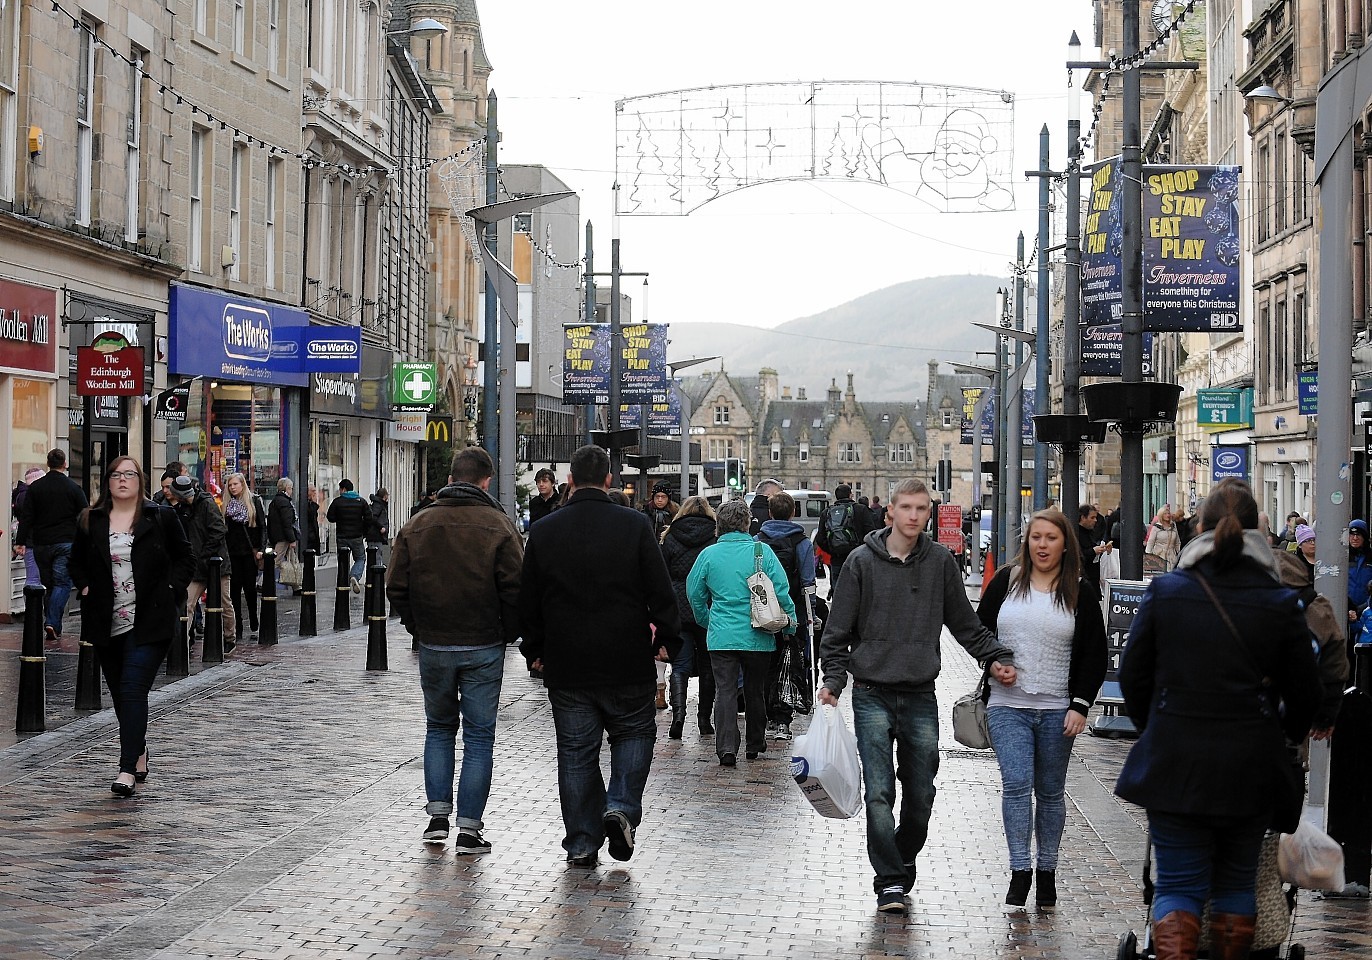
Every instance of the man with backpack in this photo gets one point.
(797, 555)
(841, 529)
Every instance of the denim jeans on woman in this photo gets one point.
(582, 718)
(883, 718)
(129, 670)
(1198, 857)
(461, 689)
(1033, 754)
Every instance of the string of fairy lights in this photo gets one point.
(306, 160)
(1123, 65)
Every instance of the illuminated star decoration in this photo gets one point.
(771, 146)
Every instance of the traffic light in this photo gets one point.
(945, 475)
(733, 473)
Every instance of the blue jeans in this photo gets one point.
(129, 670)
(1199, 857)
(582, 718)
(357, 546)
(1033, 755)
(52, 570)
(881, 718)
(461, 689)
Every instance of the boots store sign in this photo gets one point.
(28, 341)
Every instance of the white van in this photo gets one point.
(810, 506)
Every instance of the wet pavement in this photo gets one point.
(283, 814)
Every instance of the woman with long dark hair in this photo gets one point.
(132, 563)
(1049, 614)
(689, 533)
(1218, 675)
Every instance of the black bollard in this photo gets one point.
(212, 648)
(266, 632)
(31, 714)
(341, 620)
(376, 612)
(87, 677)
(1350, 777)
(308, 622)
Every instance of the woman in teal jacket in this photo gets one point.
(718, 590)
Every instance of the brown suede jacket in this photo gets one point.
(455, 571)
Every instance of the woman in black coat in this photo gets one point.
(132, 563)
(245, 521)
(1218, 675)
(690, 532)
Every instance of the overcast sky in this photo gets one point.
(778, 251)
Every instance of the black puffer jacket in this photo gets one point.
(685, 538)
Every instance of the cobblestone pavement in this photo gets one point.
(283, 814)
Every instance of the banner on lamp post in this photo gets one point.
(586, 363)
(1191, 249)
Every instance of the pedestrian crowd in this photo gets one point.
(601, 597)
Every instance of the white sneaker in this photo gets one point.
(783, 732)
(357, 585)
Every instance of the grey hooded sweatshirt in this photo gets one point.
(887, 617)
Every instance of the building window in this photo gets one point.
(1280, 145)
(195, 239)
(269, 242)
(275, 34)
(85, 119)
(9, 88)
(1300, 339)
(1300, 190)
(849, 452)
(947, 419)
(1283, 360)
(202, 17)
(1265, 330)
(238, 172)
(901, 452)
(721, 449)
(776, 453)
(132, 140)
(722, 413)
(804, 454)
(1264, 196)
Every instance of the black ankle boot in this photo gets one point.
(1020, 880)
(1046, 890)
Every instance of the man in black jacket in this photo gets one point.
(594, 589)
(47, 526)
(351, 518)
(208, 534)
(842, 528)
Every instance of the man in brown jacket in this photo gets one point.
(454, 579)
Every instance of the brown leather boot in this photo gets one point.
(1176, 935)
(1231, 936)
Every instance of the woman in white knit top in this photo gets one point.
(1041, 608)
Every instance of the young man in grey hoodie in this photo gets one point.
(898, 591)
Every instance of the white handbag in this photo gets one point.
(762, 597)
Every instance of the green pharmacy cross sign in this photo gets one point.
(414, 386)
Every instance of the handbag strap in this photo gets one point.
(1264, 682)
(757, 557)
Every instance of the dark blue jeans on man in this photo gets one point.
(884, 718)
(461, 690)
(130, 669)
(52, 570)
(357, 547)
(582, 718)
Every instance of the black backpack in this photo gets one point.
(838, 523)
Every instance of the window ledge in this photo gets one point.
(200, 40)
(243, 63)
(279, 81)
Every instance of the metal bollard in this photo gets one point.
(179, 653)
(308, 622)
(87, 677)
(341, 620)
(375, 611)
(266, 632)
(31, 714)
(1350, 779)
(212, 648)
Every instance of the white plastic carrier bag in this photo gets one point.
(825, 765)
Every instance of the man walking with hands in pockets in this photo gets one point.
(899, 589)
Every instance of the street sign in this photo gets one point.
(1121, 602)
(439, 429)
(171, 404)
(1228, 462)
(1226, 408)
(950, 527)
(1308, 392)
(109, 368)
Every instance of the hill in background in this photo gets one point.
(886, 338)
